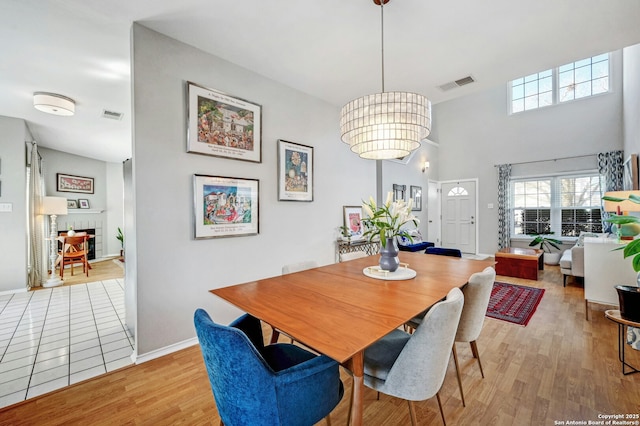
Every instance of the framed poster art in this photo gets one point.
(223, 125)
(295, 172)
(630, 177)
(225, 206)
(83, 203)
(72, 204)
(353, 221)
(416, 195)
(70, 183)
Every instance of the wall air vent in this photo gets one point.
(112, 115)
(457, 83)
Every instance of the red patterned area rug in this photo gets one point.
(513, 303)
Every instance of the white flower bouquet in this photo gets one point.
(387, 220)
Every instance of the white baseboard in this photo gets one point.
(139, 359)
(16, 291)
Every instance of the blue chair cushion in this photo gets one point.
(441, 251)
(416, 247)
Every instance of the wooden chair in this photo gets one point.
(74, 250)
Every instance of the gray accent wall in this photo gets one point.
(476, 132)
(175, 271)
(13, 225)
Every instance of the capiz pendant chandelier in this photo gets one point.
(388, 124)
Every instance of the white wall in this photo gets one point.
(174, 271)
(475, 133)
(631, 99)
(13, 225)
(115, 206)
(411, 174)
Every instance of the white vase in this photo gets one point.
(71, 233)
(552, 258)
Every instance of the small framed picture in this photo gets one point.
(223, 125)
(295, 172)
(72, 204)
(416, 195)
(225, 206)
(69, 183)
(353, 221)
(83, 203)
(399, 192)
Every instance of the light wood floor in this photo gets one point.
(558, 368)
(100, 271)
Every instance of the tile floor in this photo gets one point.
(55, 337)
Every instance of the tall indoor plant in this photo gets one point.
(387, 222)
(545, 243)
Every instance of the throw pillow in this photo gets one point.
(583, 235)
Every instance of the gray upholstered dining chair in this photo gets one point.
(290, 269)
(300, 266)
(413, 366)
(477, 293)
(353, 255)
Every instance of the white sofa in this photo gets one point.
(572, 260)
(572, 263)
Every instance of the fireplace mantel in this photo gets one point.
(84, 211)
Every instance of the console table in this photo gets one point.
(369, 247)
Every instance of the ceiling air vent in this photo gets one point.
(112, 115)
(457, 83)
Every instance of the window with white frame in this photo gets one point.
(563, 205)
(576, 80)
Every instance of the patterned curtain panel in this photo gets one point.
(611, 171)
(504, 204)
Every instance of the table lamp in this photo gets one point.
(53, 206)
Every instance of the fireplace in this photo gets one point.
(91, 255)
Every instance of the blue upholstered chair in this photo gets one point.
(413, 366)
(254, 384)
(443, 251)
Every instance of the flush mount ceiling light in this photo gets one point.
(53, 103)
(385, 125)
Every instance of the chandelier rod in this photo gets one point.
(382, 39)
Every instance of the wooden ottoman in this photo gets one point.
(519, 262)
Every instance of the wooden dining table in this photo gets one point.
(338, 311)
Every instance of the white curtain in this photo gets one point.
(35, 192)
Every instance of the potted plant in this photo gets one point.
(120, 237)
(344, 233)
(546, 243)
(633, 248)
(387, 222)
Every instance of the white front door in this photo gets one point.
(433, 213)
(458, 201)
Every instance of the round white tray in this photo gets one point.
(399, 274)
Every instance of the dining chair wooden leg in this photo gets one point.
(476, 354)
(412, 413)
(455, 361)
(274, 336)
(444, 422)
(328, 419)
